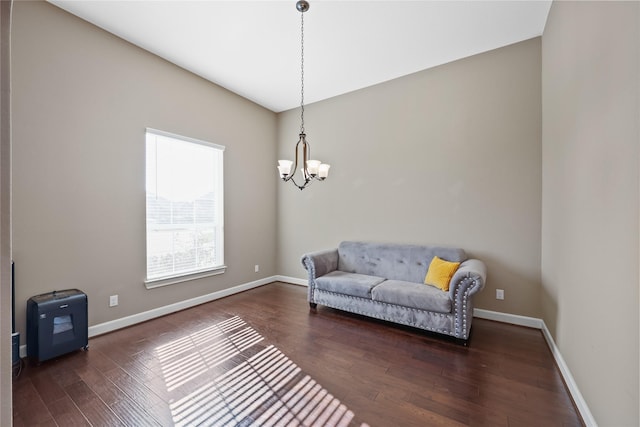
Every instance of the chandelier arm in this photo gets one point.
(305, 155)
(307, 182)
(292, 172)
(295, 163)
(302, 140)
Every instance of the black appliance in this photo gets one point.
(56, 324)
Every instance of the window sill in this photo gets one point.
(166, 281)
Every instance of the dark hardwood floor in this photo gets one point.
(263, 358)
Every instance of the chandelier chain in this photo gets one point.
(301, 72)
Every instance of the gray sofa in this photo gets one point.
(386, 281)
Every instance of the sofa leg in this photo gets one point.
(313, 305)
(462, 342)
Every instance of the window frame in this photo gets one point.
(195, 273)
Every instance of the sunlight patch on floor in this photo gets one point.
(258, 389)
(187, 358)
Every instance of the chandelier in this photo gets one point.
(311, 169)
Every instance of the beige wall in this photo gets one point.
(590, 233)
(82, 100)
(447, 156)
(5, 216)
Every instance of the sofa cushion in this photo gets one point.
(358, 285)
(414, 295)
(440, 273)
(393, 261)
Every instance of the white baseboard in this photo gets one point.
(123, 322)
(587, 417)
(536, 323)
(513, 319)
(292, 280)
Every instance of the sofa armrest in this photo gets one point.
(468, 280)
(320, 263)
(471, 274)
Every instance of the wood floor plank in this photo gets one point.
(47, 387)
(66, 413)
(263, 357)
(28, 405)
(133, 414)
(91, 406)
(106, 390)
(136, 391)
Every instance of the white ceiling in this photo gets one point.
(253, 47)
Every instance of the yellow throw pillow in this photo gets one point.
(440, 273)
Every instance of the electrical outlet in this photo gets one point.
(113, 300)
(257, 268)
(499, 293)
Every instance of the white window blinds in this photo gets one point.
(184, 192)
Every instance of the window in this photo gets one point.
(185, 226)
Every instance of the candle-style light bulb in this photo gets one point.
(312, 167)
(323, 170)
(284, 167)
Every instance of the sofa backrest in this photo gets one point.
(393, 261)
